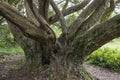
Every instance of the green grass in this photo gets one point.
(114, 44)
(11, 50)
(106, 57)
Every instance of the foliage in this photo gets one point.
(10, 50)
(6, 37)
(7, 43)
(106, 57)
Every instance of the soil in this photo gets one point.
(14, 61)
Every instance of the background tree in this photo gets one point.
(61, 57)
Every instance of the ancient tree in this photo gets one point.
(61, 58)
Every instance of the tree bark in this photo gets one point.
(48, 58)
(57, 67)
(54, 18)
(61, 65)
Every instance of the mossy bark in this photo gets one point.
(59, 67)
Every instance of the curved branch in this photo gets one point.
(61, 17)
(30, 13)
(29, 29)
(43, 8)
(83, 16)
(46, 27)
(25, 43)
(65, 5)
(97, 36)
(19, 37)
(55, 18)
(112, 4)
(34, 10)
(94, 18)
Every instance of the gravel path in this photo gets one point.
(102, 73)
(98, 72)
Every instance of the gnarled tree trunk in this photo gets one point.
(61, 65)
(52, 58)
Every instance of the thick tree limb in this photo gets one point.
(112, 4)
(19, 37)
(61, 17)
(26, 44)
(54, 18)
(97, 36)
(83, 16)
(44, 25)
(94, 18)
(43, 8)
(30, 14)
(29, 29)
(34, 10)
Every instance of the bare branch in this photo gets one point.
(29, 29)
(30, 14)
(98, 36)
(65, 5)
(41, 20)
(94, 18)
(54, 18)
(112, 4)
(1, 20)
(61, 17)
(26, 43)
(43, 8)
(60, 2)
(33, 9)
(83, 16)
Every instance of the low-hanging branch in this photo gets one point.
(54, 18)
(97, 15)
(98, 36)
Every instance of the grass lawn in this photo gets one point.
(11, 50)
(114, 44)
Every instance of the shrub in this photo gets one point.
(105, 57)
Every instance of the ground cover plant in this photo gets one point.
(106, 57)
